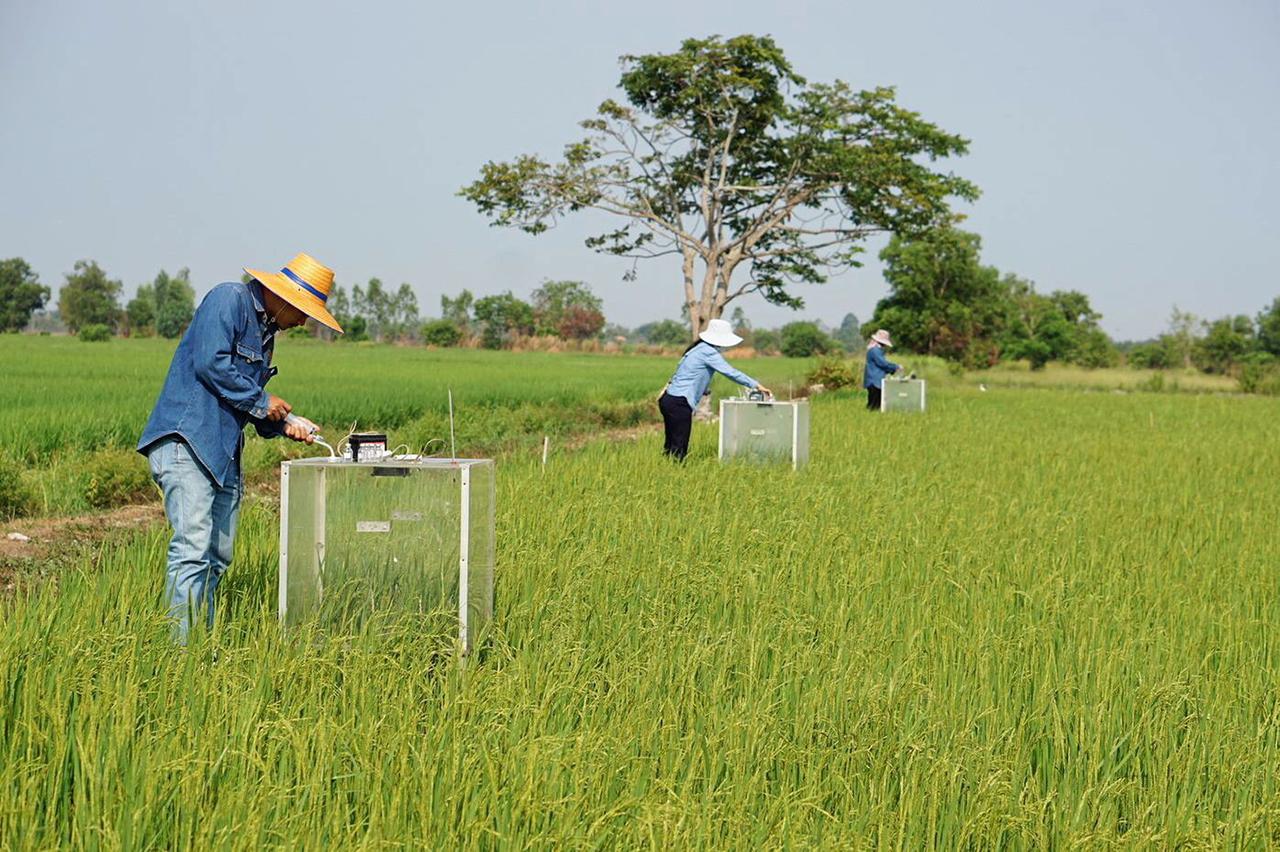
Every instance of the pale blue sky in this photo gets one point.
(1125, 149)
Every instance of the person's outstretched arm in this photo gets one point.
(718, 363)
(876, 357)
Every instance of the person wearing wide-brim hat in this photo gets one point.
(878, 366)
(691, 381)
(215, 386)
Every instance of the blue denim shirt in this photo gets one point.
(216, 380)
(878, 367)
(695, 370)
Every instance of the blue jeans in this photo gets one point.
(203, 517)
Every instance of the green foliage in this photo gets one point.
(21, 294)
(849, 334)
(441, 332)
(356, 329)
(16, 499)
(664, 333)
(766, 340)
(95, 333)
(1154, 383)
(1180, 340)
(1260, 373)
(174, 303)
(803, 339)
(89, 298)
(164, 306)
(115, 477)
(1268, 326)
(741, 156)
(1224, 344)
(568, 310)
(943, 301)
(1151, 355)
(458, 310)
(141, 312)
(501, 318)
(1094, 349)
(385, 315)
(833, 374)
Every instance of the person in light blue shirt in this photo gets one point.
(877, 368)
(691, 380)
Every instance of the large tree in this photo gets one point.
(942, 300)
(88, 297)
(21, 294)
(723, 156)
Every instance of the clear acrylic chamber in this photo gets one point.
(405, 535)
(765, 430)
(902, 395)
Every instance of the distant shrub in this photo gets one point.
(1150, 356)
(114, 477)
(95, 333)
(833, 374)
(441, 332)
(15, 499)
(1256, 370)
(802, 339)
(1153, 384)
(766, 341)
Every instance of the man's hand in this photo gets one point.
(299, 432)
(277, 408)
(764, 390)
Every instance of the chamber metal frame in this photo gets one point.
(798, 407)
(463, 466)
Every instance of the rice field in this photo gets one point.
(71, 412)
(1029, 618)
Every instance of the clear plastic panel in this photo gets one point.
(902, 395)
(764, 431)
(481, 552)
(385, 538)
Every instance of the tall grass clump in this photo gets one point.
(16, 498)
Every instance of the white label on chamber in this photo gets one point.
(406, 516)
(373, 526)
(759, 432)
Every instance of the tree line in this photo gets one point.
(943, 301)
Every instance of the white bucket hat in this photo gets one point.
(720, 333)
(882, 337)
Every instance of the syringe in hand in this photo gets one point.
(312, 429)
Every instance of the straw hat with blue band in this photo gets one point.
(304, 283)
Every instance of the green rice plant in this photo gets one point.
(115, 477)
(60, 398)
(1036, 619)
(15, 496)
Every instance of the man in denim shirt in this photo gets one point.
(193, 439)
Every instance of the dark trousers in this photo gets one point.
(873, 399)
(677, 417)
